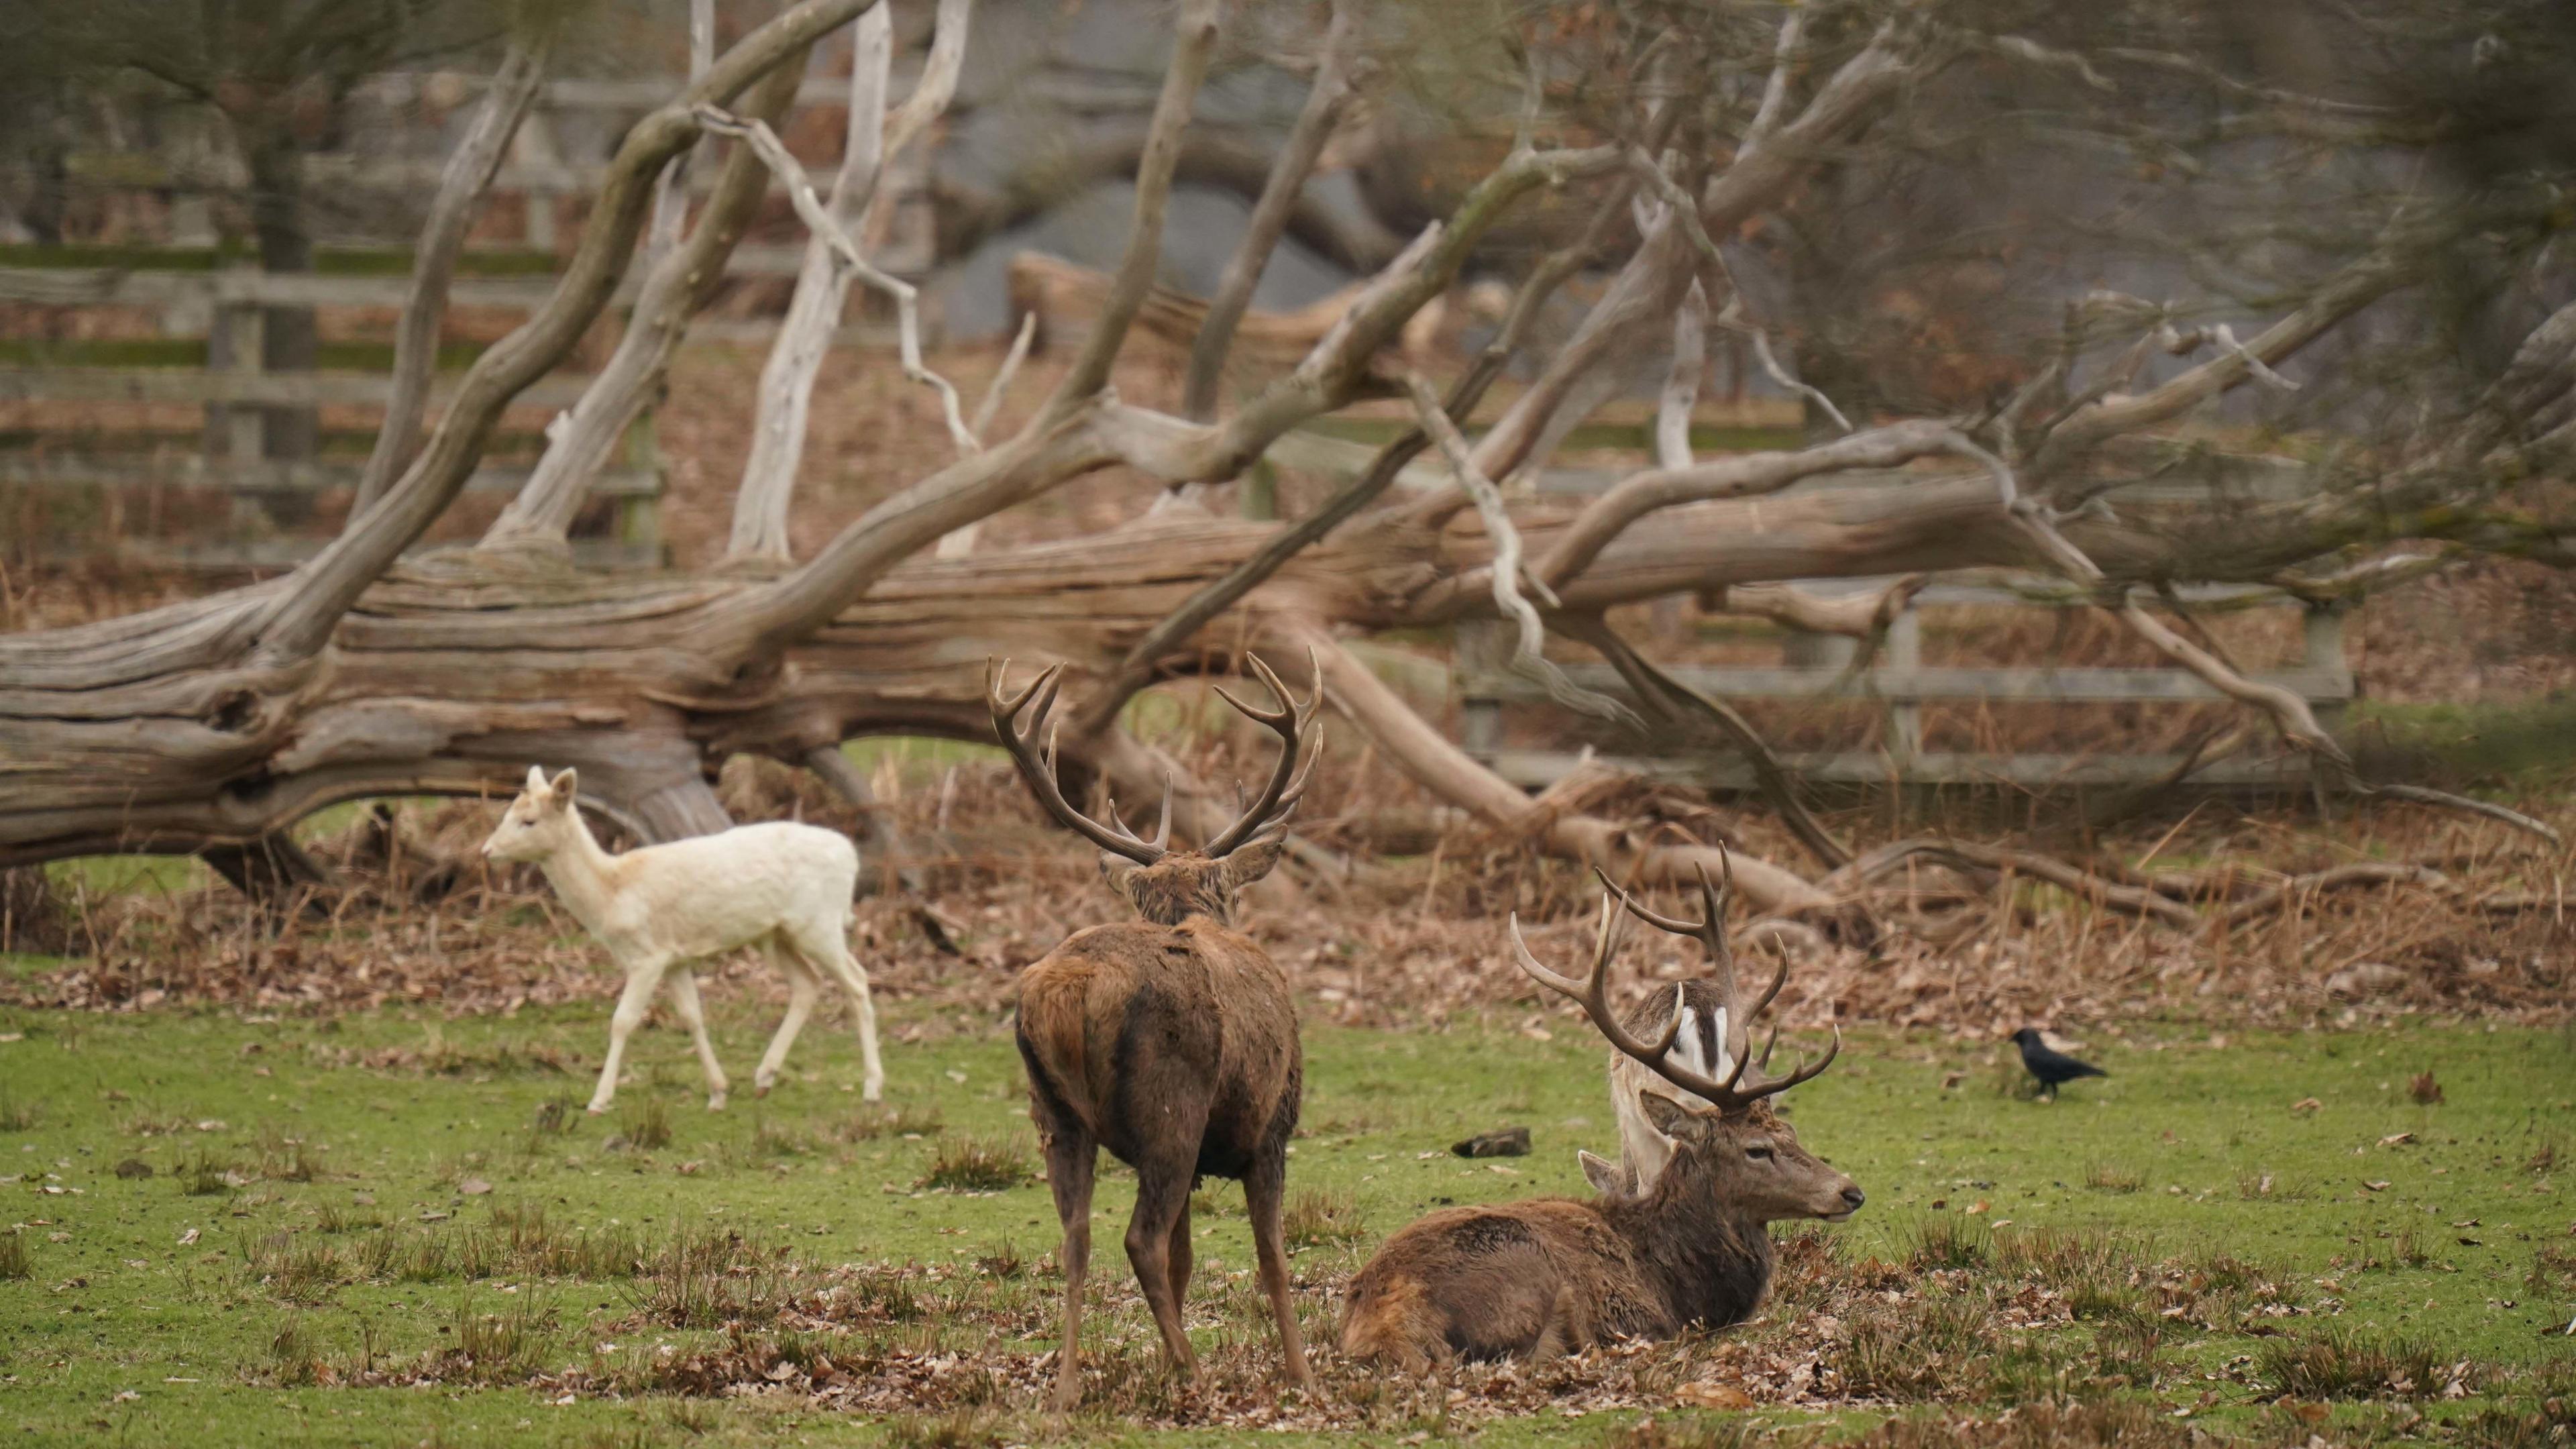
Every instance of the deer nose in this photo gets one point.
(1853, 1197)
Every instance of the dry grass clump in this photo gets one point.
(2340, 1364)
(1316, 1218)
(1943, 1241)
(206, 1174)
(645, 1123)
(2103, 1177)
(872, 1123)
(14, 1263)
(977, 1164)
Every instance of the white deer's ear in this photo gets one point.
(1606, 1177)
(565, 786)
(1669, 1117)
(536, 779)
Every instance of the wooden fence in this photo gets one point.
(1817, 668)
(1901, 684)
(225, 306)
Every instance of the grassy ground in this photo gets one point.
(396, 1199)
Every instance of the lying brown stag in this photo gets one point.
(1171, 1041)
(1536, 1279)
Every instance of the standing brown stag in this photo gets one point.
(1554, 1275)
(1171, 1041)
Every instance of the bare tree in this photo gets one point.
(206, 725)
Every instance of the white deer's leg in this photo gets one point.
(642, 979)
(829, 950)
(684, 999)
(802, 990)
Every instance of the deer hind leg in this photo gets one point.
(803, 987)
(827, 949)
(684, 1000)
(1178, 1257)
(1072, 1158)
(1263, 1187)
(1162, 1201)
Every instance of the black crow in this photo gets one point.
(2051, 1067)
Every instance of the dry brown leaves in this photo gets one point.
(947, 1339)
(1398, 941)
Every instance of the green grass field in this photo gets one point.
(399, 1199)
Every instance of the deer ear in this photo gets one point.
(565, 785)
(536, 779)
(1604, 1175)
(1115, 869)
(1253, 861)
(1670, 1118)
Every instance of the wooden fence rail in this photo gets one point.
(226, 306)
(1902, 684)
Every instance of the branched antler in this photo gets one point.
(1735, 1093)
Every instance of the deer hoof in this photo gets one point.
(598, 1109)
(872, 1091)
(715, 1101)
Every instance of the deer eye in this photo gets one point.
(1760, 1152)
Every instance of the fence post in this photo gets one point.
(233, 344)
(533, 150)
(639, 515)
(1905, 717)
(1477, 652)
(2321, 639)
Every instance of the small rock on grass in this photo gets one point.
(133, 1168)
(1504, 1142)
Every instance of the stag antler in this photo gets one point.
(1287, 784)
(1734, 1094)
(1039, 771)
(1710, 931)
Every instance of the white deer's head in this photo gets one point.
(539, 822)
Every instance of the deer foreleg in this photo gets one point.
(643, 978)
(684, 999)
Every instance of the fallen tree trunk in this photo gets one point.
(452, 678)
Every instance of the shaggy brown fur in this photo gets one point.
(1171, 1041)
(1550, 1276)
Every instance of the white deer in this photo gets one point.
(784, 886)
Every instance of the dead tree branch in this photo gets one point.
(1327, 98)
(1675, 700)
(762, 501)
(1425, 754)
(810, 209)
(1529, 658)
(1137, 670)
(1194, 37)
(678, 287)
(461, 184)
(294, 624)
(1681, 383)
